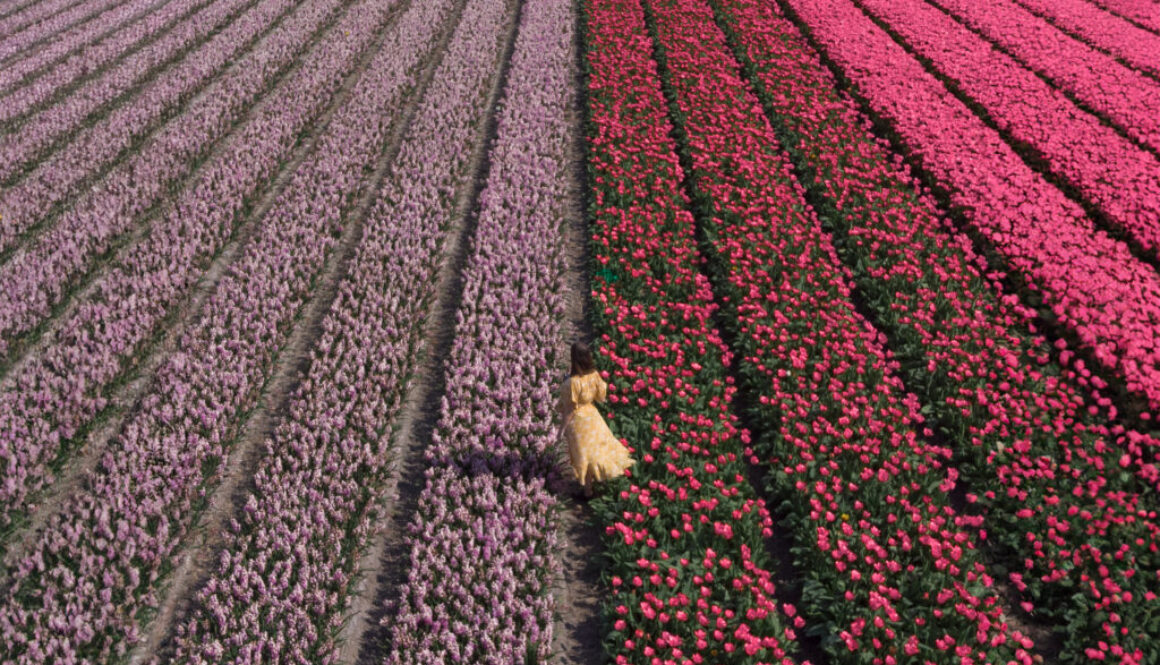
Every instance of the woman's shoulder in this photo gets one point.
(591, 377)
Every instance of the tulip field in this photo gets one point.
(287, 289)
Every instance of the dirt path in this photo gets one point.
(383, 567)
(578, 631)
(135, 382)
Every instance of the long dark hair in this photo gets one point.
(582, 362)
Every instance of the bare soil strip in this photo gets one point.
(578, 631)
(383, 567)
(138, 379)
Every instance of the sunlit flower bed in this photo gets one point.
(1126, 96)
(71, 59)
(1059, 487)
(1089, 283)
(483, 555)
(1120, 181)
(98, 342)
(1104, 30)
(216, 35)
(77, 590)
(45, 270)
(886, 567)
(688, 569)
(286, 570)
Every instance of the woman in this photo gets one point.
(595, 453)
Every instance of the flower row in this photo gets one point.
(1121, 94)
(482, 543)
(15, 16)
(81, 74)
(131, 14)
(313, 506)
(98, 340)
(21, 32)
(1090, 284)
(990, 380)
(1142, 12)
(906, 15)
(1102, 30)
(43, 273)
(76, 591)
(886, 568)
(691, 580)
(1121, 180)
(40, 181)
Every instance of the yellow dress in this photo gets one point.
(595, 453)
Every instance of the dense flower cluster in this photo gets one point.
(1125, 96)
(482, 544)
(25, 91)
(315, 489)
(21, 31)
(686, 534)
(990, 381)
(88, 36)
(1101, 29)
(1121, 180)
(1142, 12)
(1091, 284)
(866, 497)
(15, 15)
(36, 115)
(76, 592)
(39, 275)
(128, 305)
(482, 561)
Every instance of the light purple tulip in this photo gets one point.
(16, 14)
(66, 26)
(134, 299)
(50, 182)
